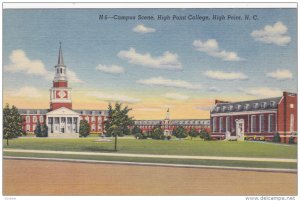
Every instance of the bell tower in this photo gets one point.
(60, 93)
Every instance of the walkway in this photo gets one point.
(282, 160)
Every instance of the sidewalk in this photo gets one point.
(282, 160)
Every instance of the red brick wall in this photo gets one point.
(60, 84)
(284, 113)
(31, 123)
(96, 122)
(54, 106)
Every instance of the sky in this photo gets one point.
(150, 65)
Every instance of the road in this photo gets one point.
(33, 177)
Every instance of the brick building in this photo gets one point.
(61, 119)
(255, 118)
(168, 125)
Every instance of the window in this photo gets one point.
(63, 120)
(93, 127)
(61, 71)
(56, 120)
(27, 119)
(87, 118)
(33, 127)
(41, 118)
(272, 103)
(261, 123)
(292, 123)
(255, 105)
(291, 105)
(217, 109)
(253, 123)
(224, 108)
(34, 119)
(263, 105)
(246, 107)
(239, 107)
(227, 124)
(93, 119)
(69, 120)
(221, 124)
(231, 107)
(27, 128)
(214, 124)
(271, 126)
(57, 71)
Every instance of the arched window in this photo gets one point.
(61, 71)
(27, 128)
(292, 123)
(57, 71)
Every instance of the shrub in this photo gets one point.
(291, 140)
(276, 138)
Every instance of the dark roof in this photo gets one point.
(174, 121)
(91, 112)
(251, 105)
(33, 111)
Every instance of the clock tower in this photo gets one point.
(60, 93)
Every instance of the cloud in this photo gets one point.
(281, 74)
(176, 96)
(220, 75)
(276, 34)
(167, 61)
(262, 92)
(27, 91)
(204, 108)
(113, 69)
(143, 29)
(113, 97)
(214, 89)
(160, 81)
(148, 109)
(211, 47)
(72, 77)
(20, 63)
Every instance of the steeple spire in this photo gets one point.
(60, 56)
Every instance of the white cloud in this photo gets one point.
(27, 91)
(167, 61)
(143, 29)
(113, 69)
(262, 92)
(160, 81)
(113, 97)
(280, 74)
(176, 96)
(204, 108)
(276, 34)
(214, 89)
(20, 63)
(150, 109)
(72, 77)
(211, 47)
(220, 75)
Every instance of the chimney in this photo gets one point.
(220, 101)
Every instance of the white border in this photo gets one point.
(78, 5)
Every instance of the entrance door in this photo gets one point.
(239, 125)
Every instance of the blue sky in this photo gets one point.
(188, 61)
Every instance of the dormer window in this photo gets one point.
(230, 107)
(263, 105)
(224, 108)
(217, 109)
(247, 107)
(255, 105)
(239, 107)
(272, 103)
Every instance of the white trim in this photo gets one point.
(245, 113)
(63, 100)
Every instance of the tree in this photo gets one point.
(204, 134)
(180, 132)
(12, 123)
(38, 130)
(193, 133)
(157, 133)
(137, 132)
(84, 128)
(118, 121)
(44, 130)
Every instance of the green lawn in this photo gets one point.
(173, 147)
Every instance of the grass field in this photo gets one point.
(174, 147)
